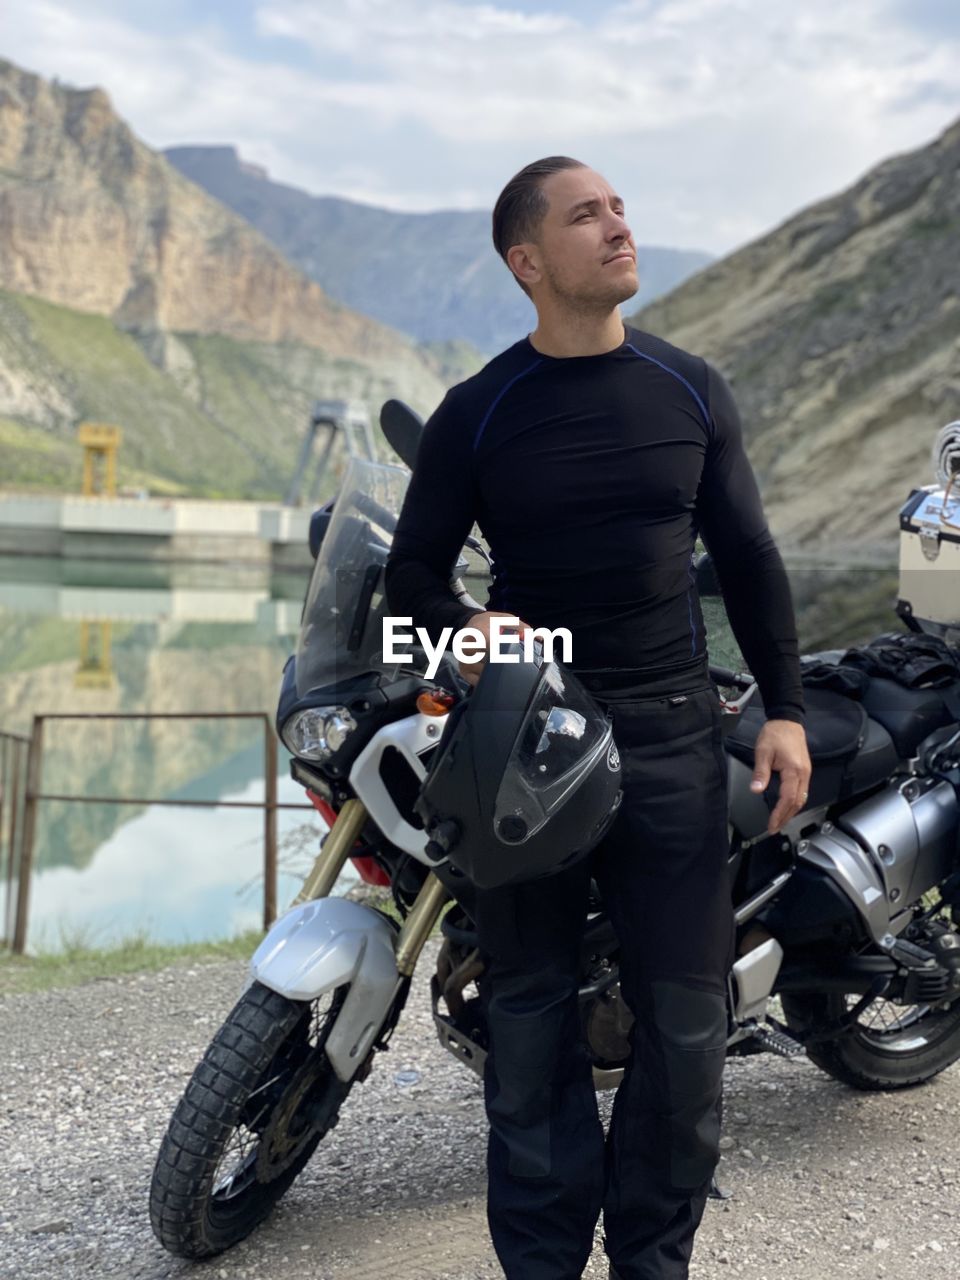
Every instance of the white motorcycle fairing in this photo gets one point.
(322, 945)
(411, 737)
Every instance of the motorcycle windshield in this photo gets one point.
(341, 634)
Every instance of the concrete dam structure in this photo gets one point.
(154, 529)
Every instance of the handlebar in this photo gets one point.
(476, 545)
(463, 595)
(728, 679)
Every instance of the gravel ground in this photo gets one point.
(824, 1181)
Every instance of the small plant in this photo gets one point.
(44, 971)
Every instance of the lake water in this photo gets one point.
(101, 637)
(96, 637)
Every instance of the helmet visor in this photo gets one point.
(562, 735)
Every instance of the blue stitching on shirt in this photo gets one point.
(711, 429)
(693, 629)
(707, 420)
(499, 397)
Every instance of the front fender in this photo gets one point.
(322, 945)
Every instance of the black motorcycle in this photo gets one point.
(848, 914)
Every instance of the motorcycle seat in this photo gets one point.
(908, 715)
(850, 752)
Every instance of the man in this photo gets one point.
(591, 456)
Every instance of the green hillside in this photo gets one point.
(201, 414)
(840, 333)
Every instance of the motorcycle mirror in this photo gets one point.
(402, 428)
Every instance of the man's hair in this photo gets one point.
(521, 205)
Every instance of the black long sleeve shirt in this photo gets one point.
(591, 478)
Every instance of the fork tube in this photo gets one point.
(421, 918)
(333, 853)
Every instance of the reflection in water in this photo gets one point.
(192, 638)
(94, 671)
(172, 875)
(178, 638)
(149, 759)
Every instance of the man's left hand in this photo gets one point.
(782, 748)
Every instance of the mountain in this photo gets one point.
(840, 333)
(94, 220)
(129, 295)
(434, 275)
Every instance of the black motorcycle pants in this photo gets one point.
(662, 873)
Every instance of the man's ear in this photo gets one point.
(522, 259)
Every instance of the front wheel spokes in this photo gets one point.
(266, 1104)
(321, 1020)
(240, 1153)
(239, 1156)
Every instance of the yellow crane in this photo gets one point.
(100, 443)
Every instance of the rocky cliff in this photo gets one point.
(128, 295)
(840, 332)
(434, 275)
(92, 219)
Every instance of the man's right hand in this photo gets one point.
(481, 622)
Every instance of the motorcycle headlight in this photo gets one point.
(317, 732)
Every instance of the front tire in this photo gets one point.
(251, 1117)
(889, 1046)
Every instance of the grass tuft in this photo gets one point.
(77, 963)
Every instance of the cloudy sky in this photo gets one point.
(716, 119)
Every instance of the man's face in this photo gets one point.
(584, 252)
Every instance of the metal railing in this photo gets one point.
(14, 748)
(21, 794)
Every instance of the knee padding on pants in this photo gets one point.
(690, 1026)
(532, 1020)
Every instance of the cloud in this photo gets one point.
(486, 74)
(715, 118)
(175, 874)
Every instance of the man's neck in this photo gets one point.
(577, 335)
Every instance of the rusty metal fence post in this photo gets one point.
(6, 862)
(8, 791)
(13, 747)
(15, 835)
(269, 826)
(23, 798)
(25, 874)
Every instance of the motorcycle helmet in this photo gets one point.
(526, 777)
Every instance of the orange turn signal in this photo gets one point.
(434, 702)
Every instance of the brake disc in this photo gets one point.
(293, 1122)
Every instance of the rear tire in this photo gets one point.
(251, 1117)
(888, 1047)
